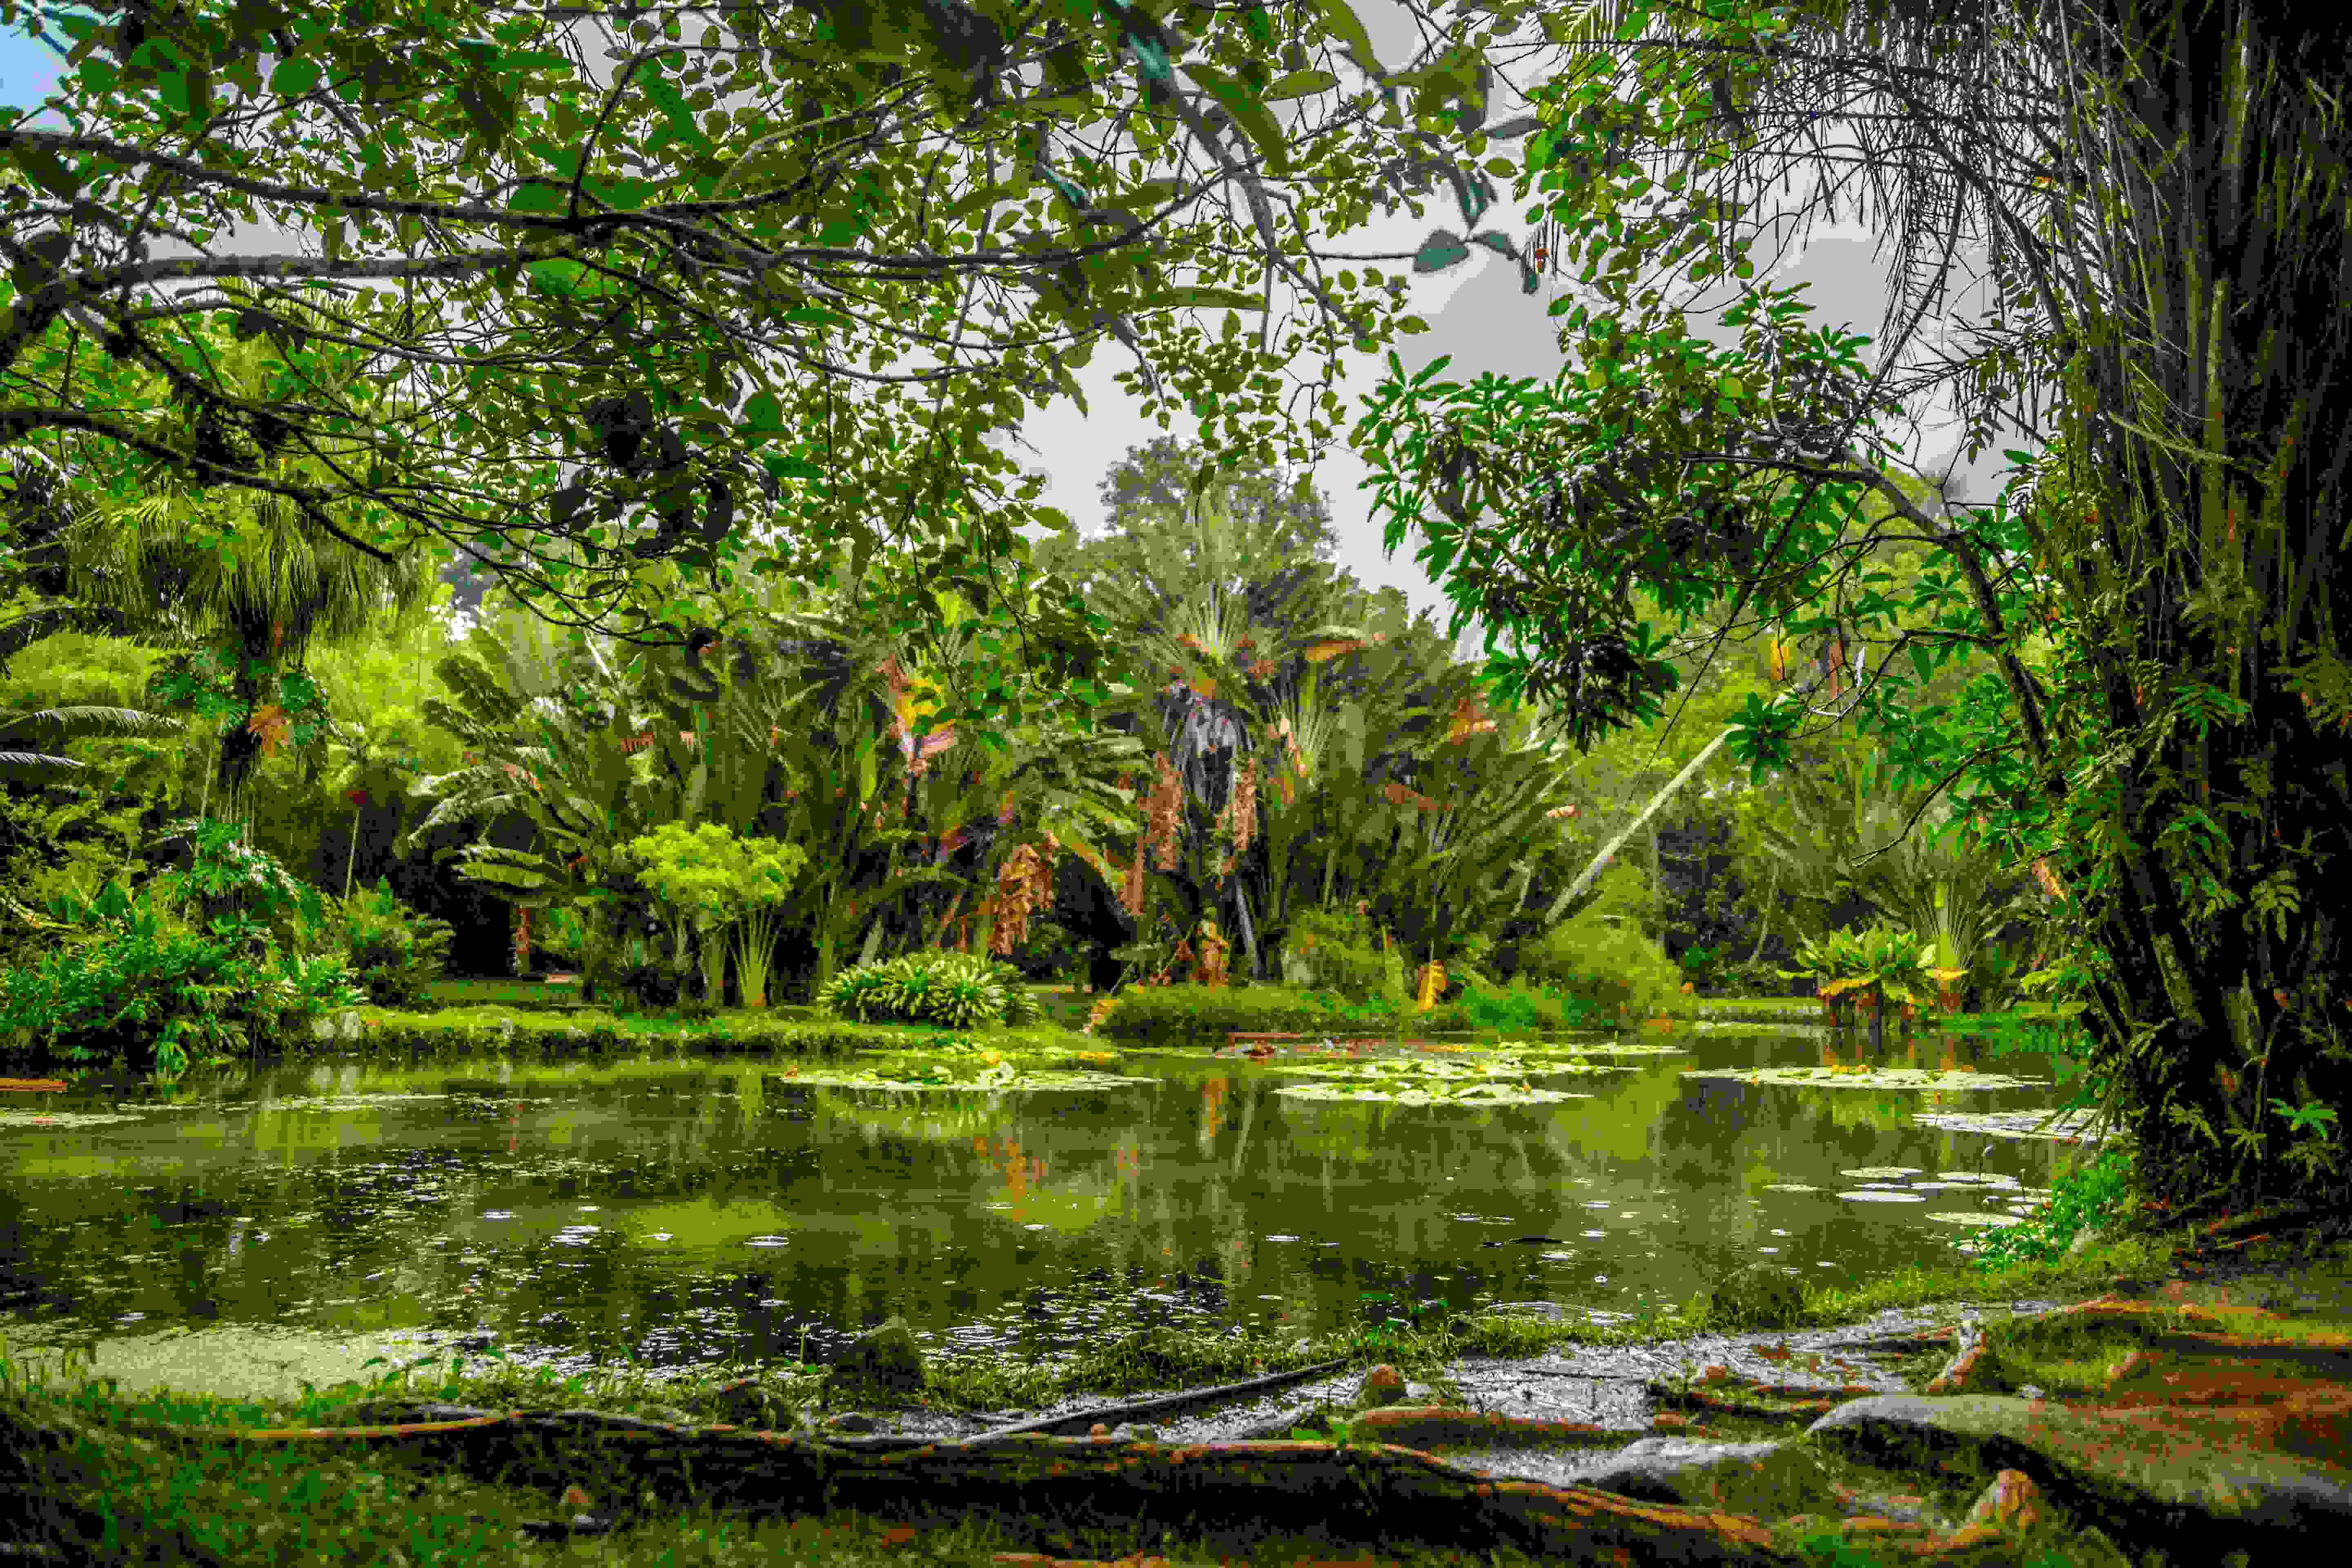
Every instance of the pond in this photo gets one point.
(682, 1210)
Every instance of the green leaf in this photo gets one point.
(1248, 112)
(294, 76)
(673, 105)
(1350, 31)
(563, 277)
(1223, 298)
(491, 112)
(1442, 249)
(47, 170)
(784, 468)
(537, 197)
(1298, 84)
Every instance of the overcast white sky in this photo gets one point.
(1476, 312)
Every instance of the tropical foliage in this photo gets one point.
(955, 990)
(2179, 784)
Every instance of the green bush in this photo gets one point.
(228, 879)
(1518, 1005)
(147, 991)
(2086, 1196)
(1210, 1014)
(1754, 1295)
(393, 952)
(559, 938)
(1050, 954)
(1336, 950)
(959, 990)
(1610, 962)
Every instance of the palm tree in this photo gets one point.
(1286, 723)
(30, 739)
(869, 776)
(181, 568)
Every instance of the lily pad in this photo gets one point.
(1870, 1078)
(1406, 1092)
(1956, 1216)
(58, 1119)
(1881, 1195)
(1377, 1072)
(1875, 1172)
(1001, 1076)
(2068, 1128)
(1788, 1187)
(349, 1102)
(966, 1064)
(1589, 1048)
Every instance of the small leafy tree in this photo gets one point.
(716, 879)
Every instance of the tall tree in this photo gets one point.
(231, 572)
(2186, 244)
(1271, 546)
(625, 318)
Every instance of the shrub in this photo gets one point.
(149, 992)
(1336, 950)
(1762, 978)
(393, 952)
(2086, 1196)
(228, 879)
(561, 938)
(1209, 1015)
(1705, 967)
(960, 990)
(1518, 1005)
(1049, 953)
(1610, 962)
(1755, 1296)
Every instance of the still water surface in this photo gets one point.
(691, 1210)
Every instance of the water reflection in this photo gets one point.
(680, 1212)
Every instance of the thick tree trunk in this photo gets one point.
(1249, 935)
(2218, 1009)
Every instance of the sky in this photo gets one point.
(1476, 311)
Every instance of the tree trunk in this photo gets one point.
(1764, 913)
(1657, 884)
(1609, 849)
(1249, 936)
(2209, 1009)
